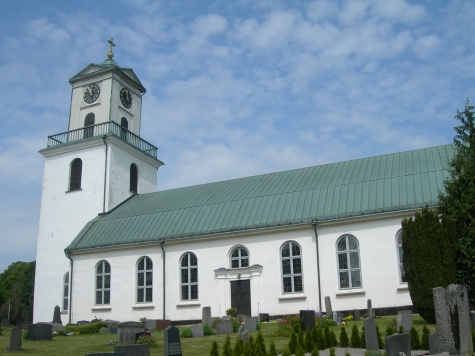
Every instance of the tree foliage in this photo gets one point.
(428, 244)
(17, 284)
(458, 201)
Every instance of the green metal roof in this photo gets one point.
(368, 186)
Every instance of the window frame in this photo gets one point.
(66, 292)
(349, 268)
(240, 258)
(145, 287)
(75, 175)
(89, 120)
(292, 275)
(189, 284)
(399, 254)
(103, 290)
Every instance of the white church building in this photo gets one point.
(110, 246)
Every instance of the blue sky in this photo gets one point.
(233, 89)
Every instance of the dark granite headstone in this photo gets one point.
(197, 330)
(433, 344)
(397, 343)
(83, 322)
(205, 315)
(371, 337)
(5, 323)
(356, 315)
(307, 319)
(472, 318)
(171, 342)
(240, 318)
(263, 317)
(224, 327)
(40, 332)
(250, 323)
(15, 339)
(243, 333)
(126, 332)
(57, 315)
(133, 350)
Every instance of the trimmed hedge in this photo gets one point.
(92, 328)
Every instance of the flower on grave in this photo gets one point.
(344, 322)
(349, 317)
(77, 333)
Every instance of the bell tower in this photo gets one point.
(98, 163)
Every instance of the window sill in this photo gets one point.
(292, 297)
(72, 191)
(100, 308)
(350, 292)
(144, 306)
(403, 288)
(188, 304)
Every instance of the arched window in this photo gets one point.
(189, 277)
(103, 283)
(75, 174)
(239, 258)
(66, 291)
(402, 274)
(89, 121)
(144, 280)
(125, 125)
(292, 276)
(349, 269)
(133, 178)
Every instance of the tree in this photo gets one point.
(458, 201)
(428, 243)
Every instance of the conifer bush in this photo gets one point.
(344, 340)
(272, 350)
(301, 340)
(214, 349)
(315, 352)
(333, 341)
(238, 345)
(380, 339)
(300, 351)
(293, 343)
(363, 339)
(415, 340)
(332, 351)
(286, 352)
(320, 339)
(425, 338)
(355, 337)
(327, 337)
(227, 350)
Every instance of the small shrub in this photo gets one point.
(235, 325)
(217, 320)
(324, 321)
(401, 330)
(231, 311)
(320, 340)
(300, 351)
(300, 338)
(207, 330)
(247, 348)
(293, 343)
(272, 350)
(102, 330)
(24, 335)
(347, 353)
(284, 327)
(415, 340)
(315, 352)
(259, 346)
(147, 339)
(92, 328)
(380, 339)
(332, 351)
(327, 337)
(389, 331)
(363, 340)
(333, 341)
(425, 338)
(355, 337)
(214, 349)
(186, 333)
(286, 352)
(393, 325)
(309, 344)
(344, 340)
(227, 351)
(238, 346)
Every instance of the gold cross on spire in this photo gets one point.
(112, 44)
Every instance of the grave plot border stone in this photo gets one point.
(133, 350)
(404, 319)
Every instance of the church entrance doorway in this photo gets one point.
(241, 296)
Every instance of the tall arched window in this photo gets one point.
(292, 276)
(349, 269)
(239, 258)
(125, 125)
(103, 283)
(89, 121)
(144, 280)
(402, 274)
(66, 291)
(133, 178)
(189, 277)
(75, 174)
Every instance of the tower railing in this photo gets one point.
(105, 128)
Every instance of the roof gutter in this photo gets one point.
(314, 224)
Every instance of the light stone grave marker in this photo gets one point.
(197, 330)
(224, 327)
(404, 319)
(205, 315)
(328, 307)
(433, 344)
(126, 332)
(371, 337)
(250, 323)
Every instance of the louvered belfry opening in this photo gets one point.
(133, 178)
(76, 173)
(125, 125)
(89, 121)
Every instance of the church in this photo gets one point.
(275, 243)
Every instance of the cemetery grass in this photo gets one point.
(82, 344)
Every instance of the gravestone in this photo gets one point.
(397, 343)
(404, 319)
(240, 318)
(442, 317)
(141, 334)
(224, 327)
(211, 320)
(57, 315)
(369, 309)
(371, 337)
(126, 332)
(356, 315)
(205, 314)
(40, 332)
(307, 319)
(133, 350)
(83, 322)
(243, 333)
(250, 323)
(197, 330)
(5, 322)
(433, 344)
(328, 307)
(15, 339)
(457, 321)
(112, 326)
(151, 324)
(225, 317)
(263, 317)
(171, 342)
(56, 326)
(472, 318)
(107, 354)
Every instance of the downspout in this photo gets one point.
(315, 223)
(162, 241)
(70, 301)
(105, 176)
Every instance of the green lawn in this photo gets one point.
(82, 344)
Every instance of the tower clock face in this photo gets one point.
(91, 93)
(126, 98)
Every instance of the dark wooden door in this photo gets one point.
(241, 296)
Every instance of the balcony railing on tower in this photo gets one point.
(105, 128)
